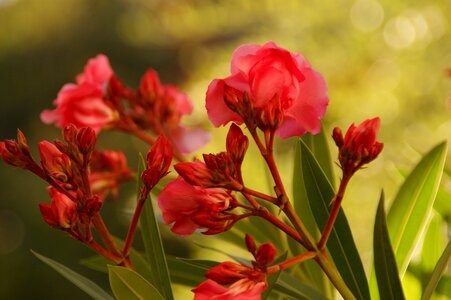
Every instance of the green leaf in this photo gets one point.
(437, 273)
(80, 281)
(309, 270)
(291, 286)
(319, 146)
(409, 213)
(128, 285)
(153, 245)
(96, 262)
(384, 259)
(434, 242)
(341, 244)
(186, 273)
(154, 250)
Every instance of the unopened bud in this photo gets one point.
(86, 140)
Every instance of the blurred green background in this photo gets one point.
(380, 58)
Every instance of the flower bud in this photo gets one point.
(55, 163)
(236, 144)
(250, 244)
(265, 254)
(61, 213)
(359, 145)
(158, 161)
(86, 140)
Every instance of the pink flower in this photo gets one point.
(61, 213)
(97, 71)
(245, 282)
(243, 289)
(359, 145)
(83, 104)
(279, 89)
(165, 105)
(180, 203)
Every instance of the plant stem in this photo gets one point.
(105, 235)
(334, 212)
(334, 277)
(134, 223)
(259, 195)
(294, 260)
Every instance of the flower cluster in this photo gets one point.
(100, 100)
(270, 90)
(246, 283)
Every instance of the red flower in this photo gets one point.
(359, 145)
(83, 104)
(61, 213)
(161, 107)
(55, 163)
(246, 282)
(277, 88)
(159, 160)
(108, 169)
(180, 203)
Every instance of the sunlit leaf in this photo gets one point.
(341, 244)
(291, 286)
(128, 285)
(409, 213)
(434, 242)
(310, 272)
(384, 259)
(86, 285)
(437, 273)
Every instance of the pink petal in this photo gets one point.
(243, 58)
(218, 112)
(97, 71)
(188, 140)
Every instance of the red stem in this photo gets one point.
(105, 235)
(334, 212)
(134, 223)
(258, 195)
(289, 262)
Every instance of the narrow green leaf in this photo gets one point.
(128, 285)
(434, 242)
(409, 213)
(437, 273)
(317, 143)
(96, 262)
(309, 270)
(384, 259)
(153, 245)
(186, 273)
(291, 286)
(341, 244)
(154, 250)
(80, 281)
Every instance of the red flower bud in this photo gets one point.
(70, 134)
(149, 86)
(56, 164)
(359, 145)
(214, 220)
(236, 144)
(195, 173)
(250, 244)
(86, 140)
(265, 254)
(17, 153)
(158, 161)
(61, 213)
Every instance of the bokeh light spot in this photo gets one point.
(366, 15)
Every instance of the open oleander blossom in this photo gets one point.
(270, 88)
(99, 100)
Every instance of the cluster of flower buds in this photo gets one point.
(245, 282)
(359, 146)
(99, 100)
(269, 88)
(79, 176)
(219, 170)
(158, 161)
(192, 207)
